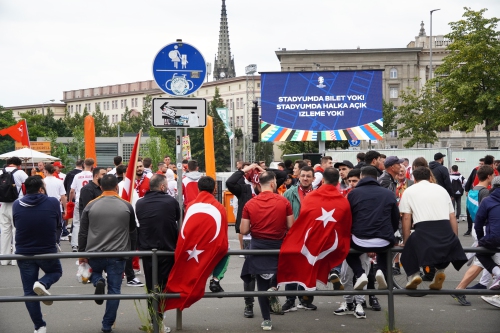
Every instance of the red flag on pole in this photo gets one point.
(202, 243)
(129, 180)
(318, 240)
(18, 132)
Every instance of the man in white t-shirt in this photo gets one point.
(6, 221)
(55, 187)
(117, 160)
(80, 180)
(434, 242)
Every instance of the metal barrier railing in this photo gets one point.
(154, 297)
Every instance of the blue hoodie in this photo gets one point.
(37, 219)
(488, 215)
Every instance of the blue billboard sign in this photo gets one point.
(179, 69)
(326, 105)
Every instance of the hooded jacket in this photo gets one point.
(442, 176)
(375, 212)
(37, 219)
(488, 215)
(190, 186)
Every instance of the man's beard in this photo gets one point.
(139, 174)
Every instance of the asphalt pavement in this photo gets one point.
(431, 313)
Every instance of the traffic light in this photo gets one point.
(255, 122)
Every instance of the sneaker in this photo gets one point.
(248, 312)
(266, 325)
(373, 301)
(135, 282)
(99, 290)
(64, 238)
(359, 312)
(42, 329)
(289, 306)
(306, 306)
(363, 304)
(334, 278)
(437, 282)
(413, 281)
(242, 256)
(345, 309)
(137, 272)
(477, 286)
(493, 300)
(40, 290)
(496, 283)
(106, 330)
(361, 282)
(461, 299)
(467, 233)
(274, 302)
(215, 286)
(166, 329)
(74, 248)
(379, 276)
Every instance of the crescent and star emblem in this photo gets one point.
(326, 216)
(204, 208)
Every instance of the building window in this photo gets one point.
(258, 84)
(122, 103)
(393, 92)
(393, 134)
(393, 73)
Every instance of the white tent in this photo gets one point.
(28, 155)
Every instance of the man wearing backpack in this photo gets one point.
(457, 187)
(10, 175)
(480, 191)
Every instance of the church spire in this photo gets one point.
(224, 63)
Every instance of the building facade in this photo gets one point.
(403, 68)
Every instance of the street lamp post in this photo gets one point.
(43, 111)
(430, 46)
(233, 162)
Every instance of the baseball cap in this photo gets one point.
(438, 156)
(495, 182)
(344, 162)
(391, 160)
(58, 164)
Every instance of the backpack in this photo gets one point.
(456, 185)
(473, 202)
(8, 189)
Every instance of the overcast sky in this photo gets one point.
(47, 47)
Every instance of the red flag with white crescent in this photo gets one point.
(319, 239)
(129, 180)
(202, 243)
(18, 132)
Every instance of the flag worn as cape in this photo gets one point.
(129, 180)
(18, 132)
(318, 240)
(202, 243)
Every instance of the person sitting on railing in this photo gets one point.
(37, 219)
(434, 241)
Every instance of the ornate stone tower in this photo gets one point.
(224, 62)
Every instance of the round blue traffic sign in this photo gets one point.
(179, 69)
(354, 143)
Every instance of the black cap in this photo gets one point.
(391, 160)
(344, 162)
(438, 156)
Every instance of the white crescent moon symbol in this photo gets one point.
(313, 259)
(205, 209)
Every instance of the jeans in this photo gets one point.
(114, 268)
(29, 275)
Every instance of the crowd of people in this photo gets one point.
(382, 201)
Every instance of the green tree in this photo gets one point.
(469, 76)
(390, 117)
(264, 152)
(101, 122)
(156, 147)
(297, 147)
(6, 120)
(420, 116)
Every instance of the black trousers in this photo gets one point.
(264, 285)
(129, 271)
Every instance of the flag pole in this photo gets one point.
(29, 143)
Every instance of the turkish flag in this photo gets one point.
(318, 240)
(129, 180)
(202, 244)
(18, 132)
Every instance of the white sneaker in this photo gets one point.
(42, 329)
(493, 300)
(496, 283)
(413, 281)
(379, 276)
(64, 238)
(40, 290)
(359, 312)
(437, 282)
(361, 282)
(135, 283)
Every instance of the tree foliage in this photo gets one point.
(390, 115)
(420, 116)
(157, 147)
(469, 77)
(6, 120)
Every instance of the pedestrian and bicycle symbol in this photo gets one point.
(179, 69)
